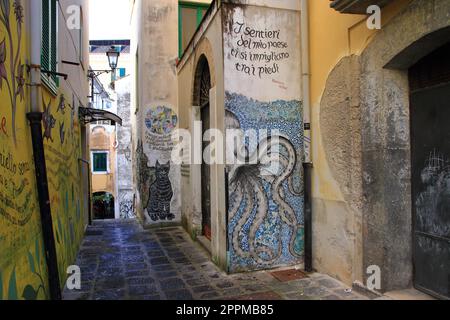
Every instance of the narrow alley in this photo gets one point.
(120, 260)
(174, 150)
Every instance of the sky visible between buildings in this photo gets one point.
(109, 19)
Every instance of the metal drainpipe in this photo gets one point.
(35, 119)
(304, 31)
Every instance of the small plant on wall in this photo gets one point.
(12, 71)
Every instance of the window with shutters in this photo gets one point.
(190, 15)
(100, 162)
(49, 51)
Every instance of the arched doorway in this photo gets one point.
(202, 99)
(103, 206)
(429, 81)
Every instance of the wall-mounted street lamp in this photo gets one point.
(113, 59)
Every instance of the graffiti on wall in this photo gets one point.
(144, 174)
(262, 94)
(48, 121)
(258, 52)
(64, 174)
(23, 270)
(161, 194)
(126, 209)
(266, 207)
(155, 187)
(433, 203)
(160, 122)
(11, 48)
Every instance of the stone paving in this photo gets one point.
(119, 260)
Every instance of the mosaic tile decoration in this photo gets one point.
(265, 227)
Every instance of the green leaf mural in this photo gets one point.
(37, 252)
(12, 290)
(31, 262)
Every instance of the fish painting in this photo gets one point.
(62, 104)
(62, 132)
(48, 120)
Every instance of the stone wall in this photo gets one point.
(387, 223)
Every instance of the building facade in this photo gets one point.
(361, 185)
(373, 204)
(43, 174)
(241, 71)
(154, 111)
(110, 144)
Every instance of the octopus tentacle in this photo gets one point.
(248, 184)
(292, 187)
(287, 213)
(262, 205)
(238, 200)
(242, 220)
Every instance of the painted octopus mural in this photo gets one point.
(266, 204)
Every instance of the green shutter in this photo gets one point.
(49, 53)
(54, 39)
(100, 162)
(45, 52)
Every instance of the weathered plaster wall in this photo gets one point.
(208, 45)
(189, 112)
(336, 41)
(339, 222)
(361, 180)
(156, 112)
(124, 151)
(23, 271)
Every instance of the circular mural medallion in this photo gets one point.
(161, 120)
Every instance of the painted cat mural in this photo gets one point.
(161, 194)
(155, 187)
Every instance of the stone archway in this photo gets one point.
(386, 151)
(201, 97)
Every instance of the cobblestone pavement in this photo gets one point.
(120, 260)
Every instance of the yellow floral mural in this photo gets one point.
(23, 269)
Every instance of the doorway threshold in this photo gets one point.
(408, 294)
